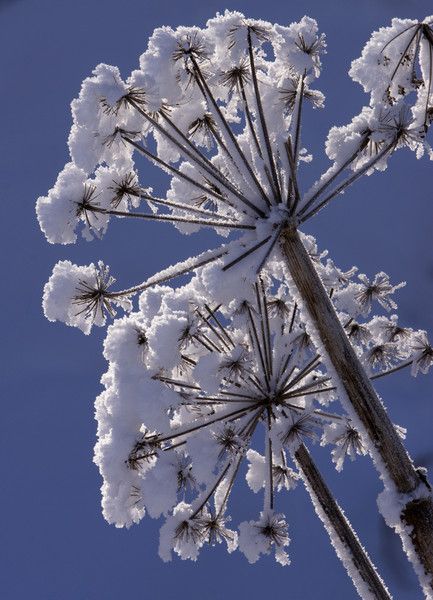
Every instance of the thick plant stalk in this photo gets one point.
(344, 540)
(400, 477)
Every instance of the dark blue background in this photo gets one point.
(55, 543)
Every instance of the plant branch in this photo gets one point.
(348, 548)
(361, 401)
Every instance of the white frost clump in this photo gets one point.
(423, 354)
(260, 537)
(347, 442)
(95, 136)
(59, 212)
(76, 201)
(79, 295)
(392, 65)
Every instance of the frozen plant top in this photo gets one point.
(219, 109)
(199, 382)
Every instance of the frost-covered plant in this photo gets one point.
(193, 381)
(219, 109)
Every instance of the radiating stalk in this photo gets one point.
(207, 94)
(184, 267)
(346, 183)
(171, 218)
(190, 151)
(181, 206)
(262, 120)
(309, 201)
(176, 172)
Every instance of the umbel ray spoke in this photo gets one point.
(250, 250)
(201, 80)
(304, 216)
(262, 120)
(181, 268)
(173, 218)
(310, 199)
(164, 165)
(194, 155)
(205, 423)
(181, 206)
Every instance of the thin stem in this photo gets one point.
(275, 188)
(248, 432)
(349, 550)
(275, 236)
(388, 148)
(320, 413)
(293, 176)
(252, 130)
(403, 365)
(265, 319)
(332, 178)
(172, 219)
(263, 332)
(177, 382)
(236, 395)
(210, 347)
(403, 54)
(152, 157)
(207, 494)
(269, 478)
(212, 399)
(185, 207)
(181, 268)
(246, 253)
(255, 342)
(210, 99)
(213, 329)
(195, 156)
(430, 47)
(418, 25)
(249, 118)
(283, 366)
(310, 366)
(292, 321)
(219, 324)
(300, 98)
(295, 393)
(312, 384)
(205, 423)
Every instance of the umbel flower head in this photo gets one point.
(219, 109)
(197, 386)
(196, 375)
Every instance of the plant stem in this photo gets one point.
(348, 548)
(363, 404)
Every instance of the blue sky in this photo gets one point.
(55, 541)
